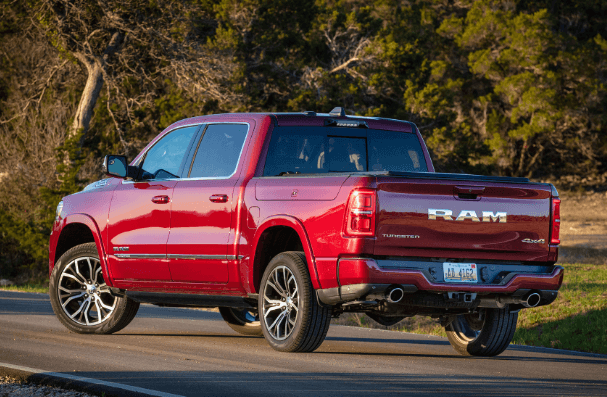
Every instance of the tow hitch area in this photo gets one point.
(466, 297)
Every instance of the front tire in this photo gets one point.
(80, 297)
(487, 333)
(291, 318)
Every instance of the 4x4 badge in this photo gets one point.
(528, 240)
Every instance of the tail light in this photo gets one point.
(360, 213)
(556, 221)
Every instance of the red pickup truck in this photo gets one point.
(284, 220)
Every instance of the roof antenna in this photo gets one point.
(338, 112)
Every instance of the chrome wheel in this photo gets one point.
(280, 303)
(83, 294)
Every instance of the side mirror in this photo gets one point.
(115, 165)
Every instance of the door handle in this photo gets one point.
(219, 198)
(160, 199)
(468, 192)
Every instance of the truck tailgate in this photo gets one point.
(459, 218)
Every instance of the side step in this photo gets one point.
(191, 300)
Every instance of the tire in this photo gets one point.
(486, 335)
(244, 322)
(81, 299)
(285, 292)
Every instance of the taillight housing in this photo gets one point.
(556, 221)
(360, 213)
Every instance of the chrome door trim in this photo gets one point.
(140, 256)
(205, 257)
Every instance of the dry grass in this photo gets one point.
(583, 229)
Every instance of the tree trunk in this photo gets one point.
(94, 83)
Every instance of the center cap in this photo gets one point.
(90, 288)
(289, 302)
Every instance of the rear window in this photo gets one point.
(312, 150)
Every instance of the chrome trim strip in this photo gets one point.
(194, 257)
(141, 256)
(205, 257)
(179, 256)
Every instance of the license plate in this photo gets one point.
(460, 272)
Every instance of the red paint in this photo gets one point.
(227, 217)
(160, 200)
(200, 227)
(136, 221)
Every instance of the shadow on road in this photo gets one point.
(346, 384)
(455, 356)
(193, 335)
(390, 340)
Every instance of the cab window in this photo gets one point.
(219, 150)
(165, 159)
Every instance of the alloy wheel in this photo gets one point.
(83, 294)
(280, 303)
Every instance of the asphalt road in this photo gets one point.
(193, 353)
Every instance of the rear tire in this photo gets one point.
(488, 335)
(80, 297)
(244, 322)
(291, 318)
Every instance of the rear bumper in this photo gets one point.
(359, 277)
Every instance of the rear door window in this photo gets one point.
(219, 150)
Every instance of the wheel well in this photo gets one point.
(72, 235)
(272, 242)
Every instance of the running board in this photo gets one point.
(191, 300)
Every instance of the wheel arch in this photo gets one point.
(80, 229)
(279, 234)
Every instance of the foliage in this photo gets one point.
(496, 86)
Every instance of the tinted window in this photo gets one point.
(395, 151)
(219, 150)
(346, 154)
(165, 158)
(309, 150)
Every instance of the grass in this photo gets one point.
(38, 287)
(577, 320)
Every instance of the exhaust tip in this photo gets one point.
(396, 295)
(532, 300)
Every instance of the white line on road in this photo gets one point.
(90, 380)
